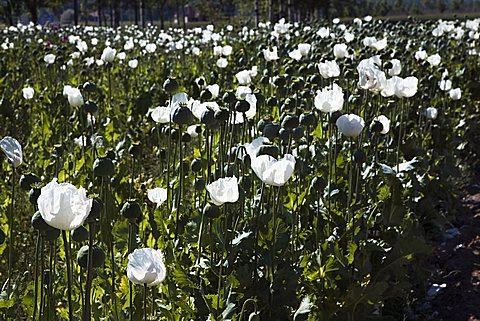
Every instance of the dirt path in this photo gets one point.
(455, 292)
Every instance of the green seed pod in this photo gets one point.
(79, 234)
(199, 184)
(196, 165)
(52, 234)
(206, 95)
(33, 195)
(318, 184)
(90, 107)
(182, 115)
(290, 122)
(39, 223)
(95, 211)
(242, 106)
(2, 237)
(211, 211)
(103, 167)
(359, 156)
(308, 119)
(131, 210)
(135, 150)
(170, 85)
(98, 256)
(268, 150)
(229, 97)
(27, 180)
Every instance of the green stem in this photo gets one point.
(145, 302)
(10, 228)
(66, 246)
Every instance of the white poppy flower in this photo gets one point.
(28, 93)
(12, 149)
(455, 94)
(421, 55)
(157, 195)
(340, 50)
(270, 55)
(434, 60)
(108, 54)
(227, 50)
(63, 206)
(304, 48)
(133, 63)
(222, 63)
(75, 98)
(243, 77)
(350, 125)
(160, 115)
(329, 99)
(295, 54)
(396, 68)
(145, 266)
(224, 190)
(431, 113)
(329, 69)
(49, 59)
(272, 171)
(214, 90)
(385, 123)
(445, 84)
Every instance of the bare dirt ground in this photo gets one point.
(455, 291)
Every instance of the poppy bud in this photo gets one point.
(359, 156)
(33, 195)
(170, 85)
(242, 106)
(268, 150)
(284, 134)
(196, 165)
(95, 210)
(89, 87)
(2, 237)
(271, 102)
(39, 223)
(221, 115)
(376, 127)
(98, 256)
(52, 234)
(308, 119)
(131, 210)
(318, 184)
(290, 122)
(298, 133)
(205, 95)
(79, 234)
(271, 131)
(90, 107)
(229, 97)
(27, 180)
(211, 211)
(208, 117)
(199, 184)
(261, 124)
(103, 167)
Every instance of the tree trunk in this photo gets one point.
(111, 13)
(142, 12)
(270, 10)
(75, 12)
(257, 14)
(178, 13)
(135, 9)
(162, 17)
(8, 13)
(32, 6)
(183, 17)
(117, 12)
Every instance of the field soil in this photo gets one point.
(454, 294)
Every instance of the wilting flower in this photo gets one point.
(272, 171)
(382, 119)
(329, 99)
(63, 206)
(455, 94)
(145, 266)
(12, 150)
(329, 69)
(350, 125)
(157, 195)
(108, 54)
(431, 113)
(224, 190)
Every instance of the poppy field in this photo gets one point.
(286, 172)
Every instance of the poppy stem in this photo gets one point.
(145, 301)
(35, 293)
(88, 285)
(10, 227)
(66, 246)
